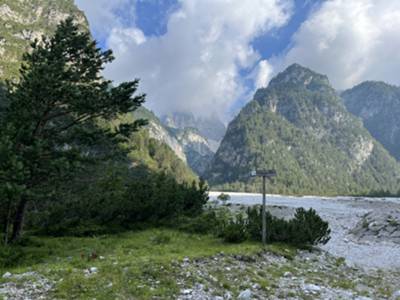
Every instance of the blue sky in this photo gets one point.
(274, 43)
(209, 56)
(152, 17)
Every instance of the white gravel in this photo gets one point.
(342, 213)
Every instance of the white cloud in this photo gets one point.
(105, 15)
(195, 65)
(263, 74)
(124, 38)
(350, 41)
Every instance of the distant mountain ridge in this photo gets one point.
(378, 106)
(210, 127)
(299, 126)
(199, 137)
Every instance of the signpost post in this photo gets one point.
(264, 174)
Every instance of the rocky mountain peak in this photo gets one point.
(299, 126)
(210, 127)
(296, 74)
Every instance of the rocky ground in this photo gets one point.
(308, 275)
(266, 275)
(29, 285)
(378, 226)
(365, 231)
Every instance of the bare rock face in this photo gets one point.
(361, 151)
(28, 35)
(378, 106)
(6, 13)
(158, 132)
(211, 128)
(199, 137)
(23, 21)
(379, 226)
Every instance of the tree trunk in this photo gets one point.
(19, 219)
(7, 222)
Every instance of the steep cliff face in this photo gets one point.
(199, 137)
(197, 149)
(378, 105)
(187, 143)
(300, 127)
(211, 128)
(160, 133)
(23, 21)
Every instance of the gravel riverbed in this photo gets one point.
(375, 248)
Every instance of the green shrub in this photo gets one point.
(118, 202)
(278, 230)
(223, 198)
(210, 221)
(306, 228)
(235, 231)
(10, 256)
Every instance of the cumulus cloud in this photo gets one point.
(350, 41)
(195, 65)
(105, 15)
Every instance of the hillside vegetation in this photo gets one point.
(300, 127)
(378, 106)
(21, 22)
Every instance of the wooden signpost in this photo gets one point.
(264, 174)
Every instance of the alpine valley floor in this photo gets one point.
(360, 262)
(365, 231)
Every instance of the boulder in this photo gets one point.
(245, 295)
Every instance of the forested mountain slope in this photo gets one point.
(378, 105)
(299, 126)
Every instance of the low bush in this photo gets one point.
(235, 230)
(117, 203)
(10, 255)
(223, 198)
(306, 228)
(210, 221)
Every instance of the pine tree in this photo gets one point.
(50, 124)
